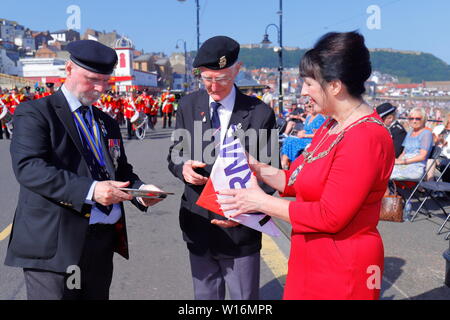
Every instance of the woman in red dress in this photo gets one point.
(338, 183)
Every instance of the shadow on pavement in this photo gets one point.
(442, 293)
(272, 290)
(392, 271)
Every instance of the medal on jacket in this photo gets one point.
(102, 127)
(114, 151)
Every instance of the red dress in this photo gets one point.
(336, 250)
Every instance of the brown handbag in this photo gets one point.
(392, 207)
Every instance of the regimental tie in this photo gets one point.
(215, 124)
(215, 120)
(93, 150)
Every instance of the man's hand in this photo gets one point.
(225, 223)
(147, 201)
(192, 177)
(107, 193)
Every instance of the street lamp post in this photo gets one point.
(197, 83)
(185, 63)
(198, 22)
(279, 50)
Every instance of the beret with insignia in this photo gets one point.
(217, 53)
(93, 56)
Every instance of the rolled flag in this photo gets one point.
(231, 171)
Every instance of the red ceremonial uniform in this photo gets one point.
(148, 103)
(155, 108)
(46, 94)
(14, 101)
(128, 108)
(168, 103)
(335, 244)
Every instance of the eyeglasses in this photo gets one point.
(221, 80)
(414, 119)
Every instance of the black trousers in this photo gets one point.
(169, 117)
(3, 124)
(129, 128)
(95, 276)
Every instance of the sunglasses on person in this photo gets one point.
(414, 119)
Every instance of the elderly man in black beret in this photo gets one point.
(221, 251)
(70, 162)
(387, 112)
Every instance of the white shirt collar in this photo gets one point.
(73, 101)
(227, 102)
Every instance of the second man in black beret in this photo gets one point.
(222, 253)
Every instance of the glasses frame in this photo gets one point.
(222, 81)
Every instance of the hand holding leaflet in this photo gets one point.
(231, 171)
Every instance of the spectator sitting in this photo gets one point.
(293, 146)
(387, 113)
(295, 119)
(411, 164)
(441, 135)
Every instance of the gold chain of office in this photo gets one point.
(308, 156)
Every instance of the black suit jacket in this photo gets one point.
(50, 221)
(201, 236)
(398, 134)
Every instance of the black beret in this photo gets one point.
(49, 84)
(93, 56)
(217, 53)
(385, 109)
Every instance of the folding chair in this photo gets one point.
(408, 185)
(436, 186)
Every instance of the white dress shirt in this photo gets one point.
(225, 111)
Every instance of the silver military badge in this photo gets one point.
(222, 62)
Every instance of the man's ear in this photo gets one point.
(68, 68)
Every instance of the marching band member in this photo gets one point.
(50, 89)
(129, 110)
(167, 108)
(148, 106)
(3, 106)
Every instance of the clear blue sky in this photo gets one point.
(156, 25)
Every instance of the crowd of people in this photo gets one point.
(124, 107)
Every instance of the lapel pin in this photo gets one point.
(239, 126)
(203, 115)
(102, 126)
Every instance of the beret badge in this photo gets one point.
(222, 62)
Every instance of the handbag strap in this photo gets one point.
(394, 189)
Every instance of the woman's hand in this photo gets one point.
(248, 200)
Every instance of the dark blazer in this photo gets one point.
(398, 134)
(201, 236)
(50, 221)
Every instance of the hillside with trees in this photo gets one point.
(413, 68)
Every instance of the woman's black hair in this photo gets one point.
(339, 56)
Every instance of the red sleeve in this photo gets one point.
(363, 158)
(289, 191)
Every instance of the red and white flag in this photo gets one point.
(231, 171)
